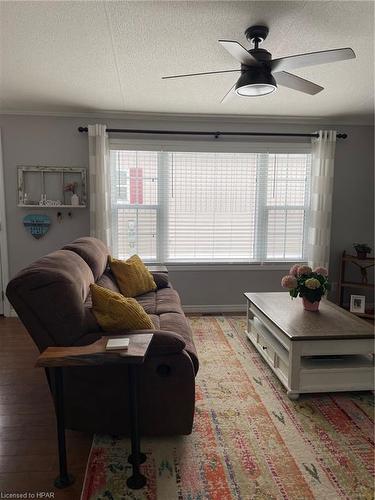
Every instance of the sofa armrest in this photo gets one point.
(161, 279)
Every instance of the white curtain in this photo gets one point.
(323, 156)
(100, 184)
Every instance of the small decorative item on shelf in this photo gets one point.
(43, 199)
(71, 187)
(357, 304)
(48, 203)
(74, 200)
(362, 250)
(308, 284)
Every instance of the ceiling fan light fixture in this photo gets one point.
(255, 82)
(256, 89)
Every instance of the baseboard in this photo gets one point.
(208, 308)
(12, 313)
(212, 308)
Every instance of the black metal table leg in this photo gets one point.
(136, 480)
(64, 479)
(142, 458)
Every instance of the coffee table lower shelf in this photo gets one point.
(324, 374)
(308, 366)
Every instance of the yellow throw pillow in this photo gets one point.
(132, 276)
(113, 311)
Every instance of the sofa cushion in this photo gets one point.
(165, 310)
(160, 301)
(93, 252)
(113, 311)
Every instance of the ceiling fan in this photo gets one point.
(260, 74)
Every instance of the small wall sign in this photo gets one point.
(37, 224)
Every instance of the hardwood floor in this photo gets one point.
(28, 447)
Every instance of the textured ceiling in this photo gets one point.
(110, 56)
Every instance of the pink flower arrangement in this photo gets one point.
(289, 281)
(321, 270)
(294, 270)
(304, 282)
(304, 270)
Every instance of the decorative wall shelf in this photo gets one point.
(38, 182)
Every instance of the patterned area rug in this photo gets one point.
(249, 440)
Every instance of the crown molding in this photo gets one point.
(363, 120)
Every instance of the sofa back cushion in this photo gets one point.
(49, 297)
(107, 280)
(93, 251)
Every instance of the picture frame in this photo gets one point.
(357, 303)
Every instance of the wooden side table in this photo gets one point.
(157, 268)
(57, 358)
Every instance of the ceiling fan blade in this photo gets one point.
(311, 59)
(228, 95)
(200, 74)
(297, 83)
(238, 52)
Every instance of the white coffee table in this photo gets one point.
(326, 351)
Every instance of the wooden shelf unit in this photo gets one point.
(367, 263)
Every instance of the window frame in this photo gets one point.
(224, 146)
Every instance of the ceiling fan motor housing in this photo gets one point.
(261, 55)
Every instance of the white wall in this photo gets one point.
(48, 140)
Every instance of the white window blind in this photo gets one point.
(210, 206)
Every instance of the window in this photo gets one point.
(210, 207)
(134, 191)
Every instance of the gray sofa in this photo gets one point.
(52, 298)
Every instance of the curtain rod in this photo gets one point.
(215, 134)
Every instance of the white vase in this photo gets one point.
(74, 200)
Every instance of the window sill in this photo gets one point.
(206, 266)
